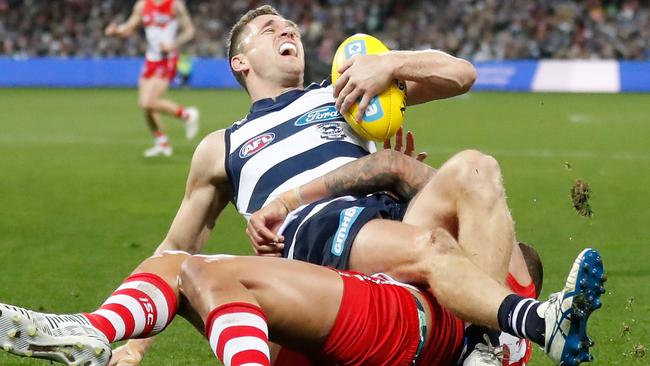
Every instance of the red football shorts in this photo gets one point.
(378, 324)
(165, 68)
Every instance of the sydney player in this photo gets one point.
(161, 20)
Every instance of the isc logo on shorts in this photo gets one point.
(347, 218)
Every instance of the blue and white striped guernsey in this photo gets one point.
(286, 142)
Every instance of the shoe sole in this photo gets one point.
(163, 154)
(19, 336)
(195, 131)
(586, 299)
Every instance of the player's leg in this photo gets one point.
(189, 116)
(142, 306)
(466, 198)
(238, 296)
(146, 100)
(558, 324)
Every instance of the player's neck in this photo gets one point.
(270, 92)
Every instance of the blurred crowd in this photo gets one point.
(472, 29)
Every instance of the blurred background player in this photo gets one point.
(161, 20)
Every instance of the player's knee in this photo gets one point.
(198, 268)
(422, 252)
(146, 104)
(166, 264)
(437, 262)
(474, 171)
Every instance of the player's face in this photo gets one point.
(273, 49)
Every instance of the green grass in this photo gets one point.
(80, 207)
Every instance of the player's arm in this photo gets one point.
(431, 74)
(387, 170)
(207, 192)
(186, 26)
(127, 28)
(428, 74)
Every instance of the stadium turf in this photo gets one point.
(80, 206)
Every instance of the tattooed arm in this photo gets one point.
(387, 170)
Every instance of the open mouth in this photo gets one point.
(288, 49)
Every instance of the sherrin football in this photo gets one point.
(385, 113)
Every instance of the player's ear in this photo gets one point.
(239, 63)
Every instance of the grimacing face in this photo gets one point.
(273, 49)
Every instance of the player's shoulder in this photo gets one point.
(213, 140)
(179, 5)
(209, 156)
(139, 5)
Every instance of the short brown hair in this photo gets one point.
(235, 34)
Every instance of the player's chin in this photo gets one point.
(294, 72)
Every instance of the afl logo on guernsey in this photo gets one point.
(321, 114)
(254, 145)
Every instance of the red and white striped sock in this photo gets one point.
(238, 334)
(141, 307)
(181, 113)
(160, 138)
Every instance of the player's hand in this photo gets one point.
(130, 354)
(362, 78)
(166, 47)
(111, 29)
(263, 226)
(408, 148)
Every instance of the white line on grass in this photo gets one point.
(553, 154)
(530, 153)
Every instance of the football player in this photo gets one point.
(161, 19)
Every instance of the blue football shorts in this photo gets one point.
(323, 232)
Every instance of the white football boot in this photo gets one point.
(192, 122)
(566, 312)
(68, 339)
(485, 354)
(158, 150)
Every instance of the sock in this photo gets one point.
(160, 138)
(141, 307)
(518, 316)
(181, 113)
(238, 334)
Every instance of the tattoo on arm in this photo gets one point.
(385, 171)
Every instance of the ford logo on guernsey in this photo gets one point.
(321, 114)
(254, 145)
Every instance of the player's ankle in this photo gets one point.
(518, 316)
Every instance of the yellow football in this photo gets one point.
(385, 113)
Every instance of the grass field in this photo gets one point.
(80, 206)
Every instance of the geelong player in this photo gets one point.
(161, 20)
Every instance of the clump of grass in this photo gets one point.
(580, 197)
